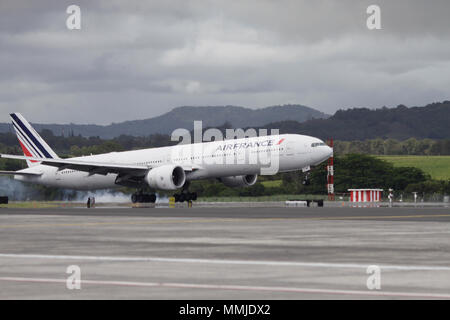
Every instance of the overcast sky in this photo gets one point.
(138, 59)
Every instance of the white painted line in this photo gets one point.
(229, 262)
(237, 288)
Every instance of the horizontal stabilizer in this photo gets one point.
(19, 173)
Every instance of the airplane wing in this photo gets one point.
(19, 173)
(87, 166)
(93, 167)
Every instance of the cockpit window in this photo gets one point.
(316, 144)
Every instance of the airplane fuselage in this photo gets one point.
(259, 155)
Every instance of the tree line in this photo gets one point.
(351, 171)
(412, 146)
(75, 146)
(355, 168)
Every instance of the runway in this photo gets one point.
(225, 253)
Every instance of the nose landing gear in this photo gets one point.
(306, 181)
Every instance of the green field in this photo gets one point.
(32, 204)
(438, 167)
(272, 183)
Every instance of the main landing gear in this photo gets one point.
(185, 195)
(140, 197)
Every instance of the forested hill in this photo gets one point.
(431, 121)
(183, 117)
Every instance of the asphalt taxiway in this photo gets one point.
(225, 253)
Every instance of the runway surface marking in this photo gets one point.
(236, 287)
(219, 261)
(183, 220)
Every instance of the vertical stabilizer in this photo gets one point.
(31, 142)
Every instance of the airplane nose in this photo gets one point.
(322, 154)
(326, 153)
(329, 152)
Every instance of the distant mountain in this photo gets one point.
(183, 117)
(431, 121)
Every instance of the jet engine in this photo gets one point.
(167, 177)
(239, 181)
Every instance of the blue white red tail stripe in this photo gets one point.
(28, 134)
(28, 147)
(31, 142)
(23, 139)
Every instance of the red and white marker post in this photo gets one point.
(330, 174)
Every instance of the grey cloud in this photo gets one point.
(137, 59)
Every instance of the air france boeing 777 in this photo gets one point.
(235, 163)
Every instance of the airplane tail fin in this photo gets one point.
(31, 142)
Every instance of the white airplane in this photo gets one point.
(236, 163)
